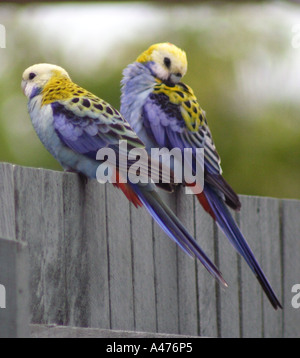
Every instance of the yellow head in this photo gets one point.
(37, 76)
(166, 61)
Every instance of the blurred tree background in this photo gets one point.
(244, 67)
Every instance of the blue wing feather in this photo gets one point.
(164, 122)
(87, 133)
(79, 134)
(159, 121)
(215, 187)
(84, 136)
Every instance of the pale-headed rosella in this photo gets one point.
(164, 112)
(74, 124)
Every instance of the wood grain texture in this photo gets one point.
(251, 293)
(187, 279)
(207, 285)
(120, 259)
(74, 252)
(271, 263)
(40, 222)
(14, 268)
(166, 276)
(291, 265)
(7, 213)
(96, 261)
(229, 309)
(143, 270)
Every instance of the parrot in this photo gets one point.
(165, 113)
(74, 124)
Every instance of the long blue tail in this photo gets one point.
(168, 221)
(226, 222)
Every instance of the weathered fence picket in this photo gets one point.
(290, 252)
(187, 276)
(14, 292)
(96, 261)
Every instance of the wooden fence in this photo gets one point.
(93, 260)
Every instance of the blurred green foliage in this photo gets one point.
(256, 134)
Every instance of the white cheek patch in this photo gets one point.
(28, 89)
(160, 72)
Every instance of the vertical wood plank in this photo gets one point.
(14, 267)
(29, 228)
(229, 297)
(207, 294)
(187, 280)
(143, 270)
(54, 250)
(120, 260)
(75, 251)
(95, 236)
(165, 262)
(40, 222)
(269, 223)
(251, 293)
(94, 261)
(291, 265)
(7, 213)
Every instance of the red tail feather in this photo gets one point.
(203, 201)
(128, 191)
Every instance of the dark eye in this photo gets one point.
(167, 62)
(31, 75)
